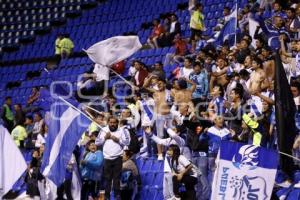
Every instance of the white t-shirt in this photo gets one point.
(297, 100)
(102, 72)
(185, 72)
(172, 28)
(40, 140)
(37, 127)
(183, 163)
(136, 77)
(132, 71)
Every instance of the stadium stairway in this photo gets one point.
(151, 171)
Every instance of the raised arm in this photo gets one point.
(220, 73)
(156, 139)
(282, 45)
(179, 140)
(147, 83)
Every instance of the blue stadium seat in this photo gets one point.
(147, 165)
(158, 179)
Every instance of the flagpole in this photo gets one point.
(68, 103)
(120, 76)
(236, 22)
(93, 109)
(288, 155)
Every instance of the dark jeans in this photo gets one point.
(112, 173)
(65, 188)
(9, 125)
(189, 183)
(88, 187)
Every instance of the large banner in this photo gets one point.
(244, 172)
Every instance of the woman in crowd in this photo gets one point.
(183, 172)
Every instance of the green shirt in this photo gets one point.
(253, 125)
(66, 45)
(93, 127)
(197, 21)
(8, 113)
(19, 134)
(57, 46)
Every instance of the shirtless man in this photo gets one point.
(182, 95)
(161, 110)
(219, 74)
(258, 80)
(268, 64)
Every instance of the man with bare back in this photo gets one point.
(258, 80)
(161, 110)
(182, 95)
(268, 64)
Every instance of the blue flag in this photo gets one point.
(244, 172)
(66, 127)
(229, 30)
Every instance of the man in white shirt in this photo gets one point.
(112, 139)
(187, 68)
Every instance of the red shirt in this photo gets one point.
(119, 67)
(181, 47)
(157, 30)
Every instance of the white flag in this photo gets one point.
(113, 50)
(252, 27)
(12, 162)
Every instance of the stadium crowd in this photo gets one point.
(215, 93)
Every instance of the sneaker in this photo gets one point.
(160, 157)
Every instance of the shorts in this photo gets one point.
(195, 32)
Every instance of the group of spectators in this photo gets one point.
(64, 46)
(214, 94)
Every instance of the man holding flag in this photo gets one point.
(67, 123)
(228, 31)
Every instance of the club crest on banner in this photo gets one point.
(247, 157)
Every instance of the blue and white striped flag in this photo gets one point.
(66, 127)
(12, 162)
(229, 30)
(244, 172)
